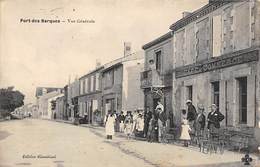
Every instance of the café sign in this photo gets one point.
(217, 63)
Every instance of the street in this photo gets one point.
(32, 142)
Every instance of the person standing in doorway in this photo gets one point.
(162, 118)
(192, 114)
(159, 106)
(147, 118)
(153, 130)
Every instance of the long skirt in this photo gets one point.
(110, 129)
(185, 133)
(128, 128)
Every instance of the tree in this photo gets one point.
(10, 100)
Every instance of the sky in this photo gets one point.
(47, 55)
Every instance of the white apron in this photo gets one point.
(110, 129)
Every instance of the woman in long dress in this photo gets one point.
(110, 126)
(139, 125)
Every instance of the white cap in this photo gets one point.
(188, 101)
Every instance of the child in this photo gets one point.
(128, 124)
(185, 128)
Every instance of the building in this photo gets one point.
(44, 109)
(90, 96)
(60, 107)
(216, 60)
(73, 93)
(40, 91)
(121, 84)
(156, 79)
(52, 103)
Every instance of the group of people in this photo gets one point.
(152, 125)
(129, 123)
(194, 122)
(155, 124)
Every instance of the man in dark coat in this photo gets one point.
(200, 121)
(121, 119)
(214, 118)
(147, 118)
(191, 115)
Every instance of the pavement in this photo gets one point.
(31, 142)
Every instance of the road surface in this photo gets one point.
(31, 142)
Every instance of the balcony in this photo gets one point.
(153, 78)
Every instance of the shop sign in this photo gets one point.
(217, 63)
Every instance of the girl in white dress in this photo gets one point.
(185, 129)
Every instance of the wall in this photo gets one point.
(194, 42)
(115, 91)
(167, 60)
(202, 92)
(43, 103)
(132, 94)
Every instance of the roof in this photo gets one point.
(134, 56)
(210, 7)
(39, 90)
(158, 40)
(50, 95)
(92, 71)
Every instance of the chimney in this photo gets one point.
(127, 48)
(185, 13)
(98, 63)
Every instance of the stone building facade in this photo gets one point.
(90, 97)
(216, 60)
(157, 74)
(121, 84)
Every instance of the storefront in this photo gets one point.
(230, 81)
(90, 108)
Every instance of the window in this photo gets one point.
(92, 83)
(189, 93)
(86, 85)
(158, 57)
(97, 81)
(109, 79)
(81, 87)
(215, 90)
(242, 85)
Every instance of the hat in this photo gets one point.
(214, 105)
(188, 101)
(201, 107)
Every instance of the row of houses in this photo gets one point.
(112, 87)
(209, 56)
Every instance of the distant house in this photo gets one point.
(44, 106)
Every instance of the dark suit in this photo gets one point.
(192, 113)
(214, 118)
(200, 122)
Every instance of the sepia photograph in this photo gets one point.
(129, 83)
